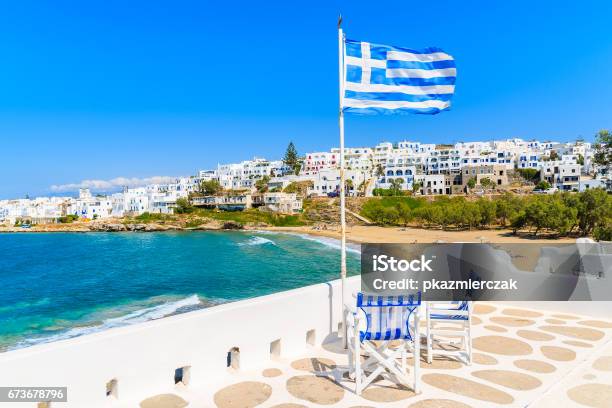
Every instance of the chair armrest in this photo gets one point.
(352, 309)
(353, 318)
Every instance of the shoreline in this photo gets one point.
(359, 234)
(356, 234)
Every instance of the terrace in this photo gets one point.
(523, 357)
(283, 350)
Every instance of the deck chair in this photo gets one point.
(372, 326)
(448, 322)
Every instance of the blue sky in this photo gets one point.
(100, 90)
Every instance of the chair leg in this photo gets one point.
(469, 343)
(429, 341)
(417, 353)
(351, 362)
(357, 363)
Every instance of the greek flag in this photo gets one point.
(382, 79)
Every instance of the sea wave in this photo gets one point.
(257, 241)
(138, 316)
(333, 243)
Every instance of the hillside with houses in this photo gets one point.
(405, 168)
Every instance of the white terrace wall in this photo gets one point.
(142, 358)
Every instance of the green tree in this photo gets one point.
(471, 214)
(485, 182)
(183, 206)
(416, 187)
(471, 183)
(603, 149)
(572, 201)
(529, 174)
(488, 211)
(362, 187)
(404, 213)
(210, 187)
(559, 217)
(396, 186)
(543, 185)
(391, 215)
(262, 184)
(536, 214)
(594, 210)
(348, 185)
(604, 232)
(291, 158)
(553, 155)
(580, 160)
(383, 215)
(507, 208)
(379, 170)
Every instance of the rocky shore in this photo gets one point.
(355, 233)
(116, 226)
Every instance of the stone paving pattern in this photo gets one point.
(520, 357)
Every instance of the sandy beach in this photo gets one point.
(355, 233)
(361, 234)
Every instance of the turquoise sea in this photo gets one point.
(60, 285)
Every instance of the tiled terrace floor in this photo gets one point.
(521, 358)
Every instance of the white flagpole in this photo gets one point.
(342, 178)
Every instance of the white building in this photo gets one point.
(37, 210)
(317, 161)
(529, 160)
(564, 175)
(286, 203)
(91, 207)
(444, 160)
(432, 184)
(591, 183)
(243, 175)
(396, 169)
(327, 182)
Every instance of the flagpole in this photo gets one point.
(342, 178)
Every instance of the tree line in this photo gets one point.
(586, 214)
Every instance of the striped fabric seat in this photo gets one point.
(459, 306)
(372, 324)
(387, 317)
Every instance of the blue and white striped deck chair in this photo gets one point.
(374, 324)
(456, 318)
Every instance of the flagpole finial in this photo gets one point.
(339, 20)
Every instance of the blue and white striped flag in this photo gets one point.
(382, 79)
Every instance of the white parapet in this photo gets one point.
(142, 358)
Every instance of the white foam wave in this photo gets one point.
(327, 241)
(257, 241)
(138, 316)
(331, 243)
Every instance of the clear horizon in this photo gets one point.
(104, 91)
